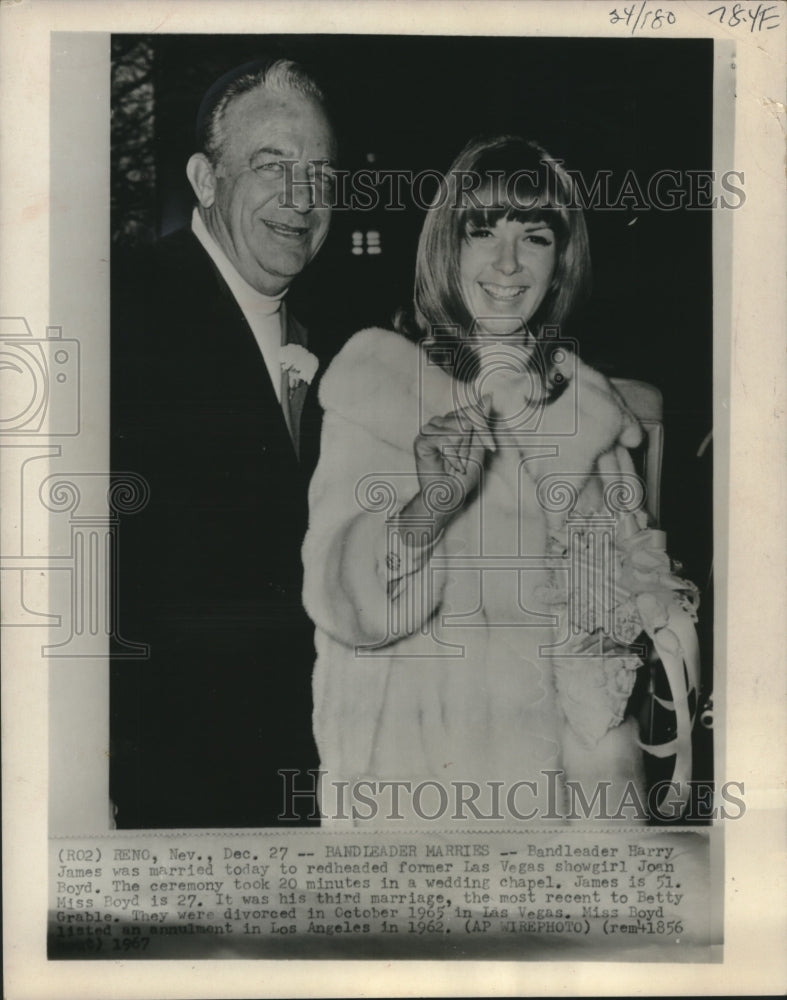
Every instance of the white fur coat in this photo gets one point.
(442, 677)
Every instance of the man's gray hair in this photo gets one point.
(278, 74)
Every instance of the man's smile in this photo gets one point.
(282, 229)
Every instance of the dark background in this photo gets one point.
(412, 102)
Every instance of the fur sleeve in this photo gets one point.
(370, 396)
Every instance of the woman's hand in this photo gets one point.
(449, 456)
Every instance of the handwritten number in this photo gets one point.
(757, 18)
(641, 17)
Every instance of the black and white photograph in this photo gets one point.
(374, 497)
(209, 572)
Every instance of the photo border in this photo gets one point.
(751, 301)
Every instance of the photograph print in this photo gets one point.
(412, 345)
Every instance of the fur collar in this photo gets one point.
(381, 380)
(384, 382)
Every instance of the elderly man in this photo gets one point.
(210, 376)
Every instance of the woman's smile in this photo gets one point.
(506, 269)
(503, 293)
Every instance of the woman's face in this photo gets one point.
(505, 271)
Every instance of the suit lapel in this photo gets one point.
(255, 371)
(289, 412)
(292, 401)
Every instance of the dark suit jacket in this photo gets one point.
(209, 572)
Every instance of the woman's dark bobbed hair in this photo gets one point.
(493, 178)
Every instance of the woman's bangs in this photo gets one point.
(517, 181)
(487, 216)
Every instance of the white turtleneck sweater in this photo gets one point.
(263, 312)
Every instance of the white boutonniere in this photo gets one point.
(301, 365)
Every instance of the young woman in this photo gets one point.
(459, 652)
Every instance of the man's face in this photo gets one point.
(271, 230)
